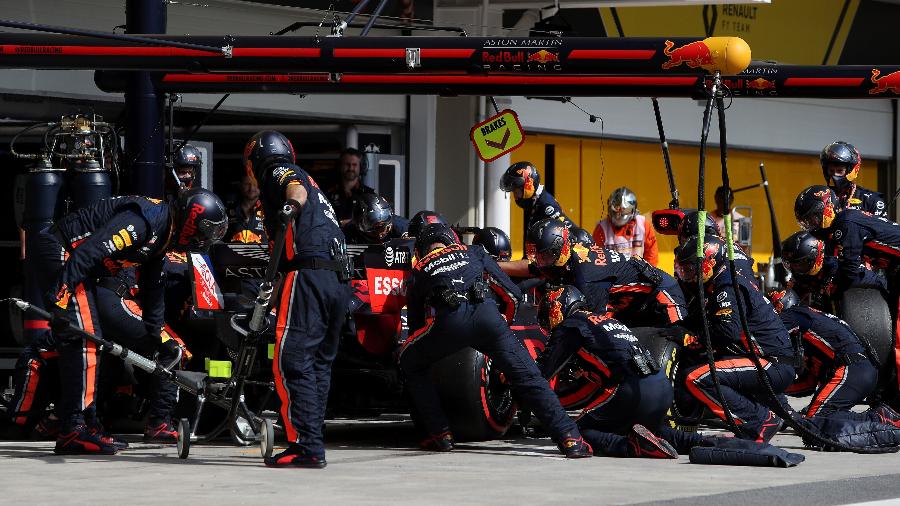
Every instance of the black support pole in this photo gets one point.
(145, 137)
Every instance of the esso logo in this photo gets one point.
(388, 285)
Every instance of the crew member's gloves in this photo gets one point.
(59, 320)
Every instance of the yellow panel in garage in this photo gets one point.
(639, 166)
(567, 189)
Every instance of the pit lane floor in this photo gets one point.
(372, 462)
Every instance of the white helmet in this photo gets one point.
(622, 206)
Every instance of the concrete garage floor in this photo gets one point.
(373, 463)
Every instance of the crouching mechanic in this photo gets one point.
(745, 395)
(103, 239)
(636, 392)
(373, 221)
(838, 368)
(449, 309)
(313, 298)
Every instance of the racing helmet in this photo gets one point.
(373, 216)
(581, 236)
(688, 227)
(842, 153)
(816, 207)
(558, 304)
(264, 148)
(524, 176)
(187, 156)
(622, 205)
(200, 220)
(711, 263)
(783, 299)
(495, 242)
(549, 245)
(422, 218)
(434, 233)
(801, 253)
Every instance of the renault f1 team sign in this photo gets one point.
(497, 135)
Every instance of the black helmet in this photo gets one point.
(688, 227)
(266, 147)
(524, 176)
(816, 207)
(712, 261)
(581, 236)
(495, 242)
(422, 218)
(558, 304)
(801, 253)
(187, 156)
(373, 216)
(783, 299)
(200, 220)
(842, 153)
(434, 233)
(548, 242)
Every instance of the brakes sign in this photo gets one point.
(498, 135)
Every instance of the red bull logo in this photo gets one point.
(543, 56)
(190, 224)
(247, 237)
(708, 265)
(694, 55)
(820, 259)
(528, 189)
(828, 209)
(555, 316)
(761, 84)
(886, 83)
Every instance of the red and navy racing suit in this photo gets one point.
(92, 242)
(450, 309)
(632, 289)
(342, 203)
(740, 385)
(838, 368)
(399, 225)
(862, 199)
(864, 241)
(634, 388)
(544, 206)
(246, 228)
(312, 304)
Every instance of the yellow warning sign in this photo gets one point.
(497, 135)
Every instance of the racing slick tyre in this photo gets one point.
(183, 443)
(662, 343)
(867, 313)
(475, 397)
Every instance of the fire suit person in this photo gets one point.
(841, 163)
(636, 392)
(523, 180)
(246, 217)
(450, 309)
(349, 188)
(625, 230)
(495, 242)
(632, 289)
(422, 218)
(373, 221)
(688, 228)
(313, 298)
(838, 368)
(187, 163)
(740, 385)
(100, 239)
(813, 271)
(854, 234)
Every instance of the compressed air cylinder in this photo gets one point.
(88, 186)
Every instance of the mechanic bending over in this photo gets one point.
(813, 272)
(313, 299)
(840, 165)
(636, 392)
(635, 291)
(450, 308)
(837, 368)
(103, 239)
